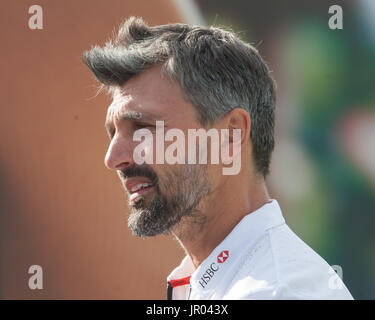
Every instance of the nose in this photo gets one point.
(119, 154)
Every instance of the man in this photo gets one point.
(237, 242)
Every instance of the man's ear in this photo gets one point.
(237, 122)
(238, 118)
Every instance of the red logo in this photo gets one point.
(223, 256)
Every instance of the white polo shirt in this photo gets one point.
(262, 258)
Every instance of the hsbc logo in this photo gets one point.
(208, 274)
(214, 267)
(223, 256)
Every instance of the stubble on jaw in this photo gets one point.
(174, 206)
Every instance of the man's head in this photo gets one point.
(189, 77)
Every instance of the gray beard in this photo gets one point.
(184, 189)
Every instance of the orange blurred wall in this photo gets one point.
(60, 208)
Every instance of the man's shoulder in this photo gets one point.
(279, 265)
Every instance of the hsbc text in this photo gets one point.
(209, 273)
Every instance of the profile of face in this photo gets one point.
(160, 195)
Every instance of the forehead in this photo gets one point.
(149, 93)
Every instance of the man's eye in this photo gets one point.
(144, 126)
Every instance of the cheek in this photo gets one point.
(169, 177)
(214, 175)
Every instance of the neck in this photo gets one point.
(227, 205)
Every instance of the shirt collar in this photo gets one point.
(210, 276)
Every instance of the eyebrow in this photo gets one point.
(128, 116)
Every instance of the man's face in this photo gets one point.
(160, 195)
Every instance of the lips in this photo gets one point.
(137, 187)
(139, 193)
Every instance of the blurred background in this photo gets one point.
(60, 208)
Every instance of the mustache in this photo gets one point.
(139, 171)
